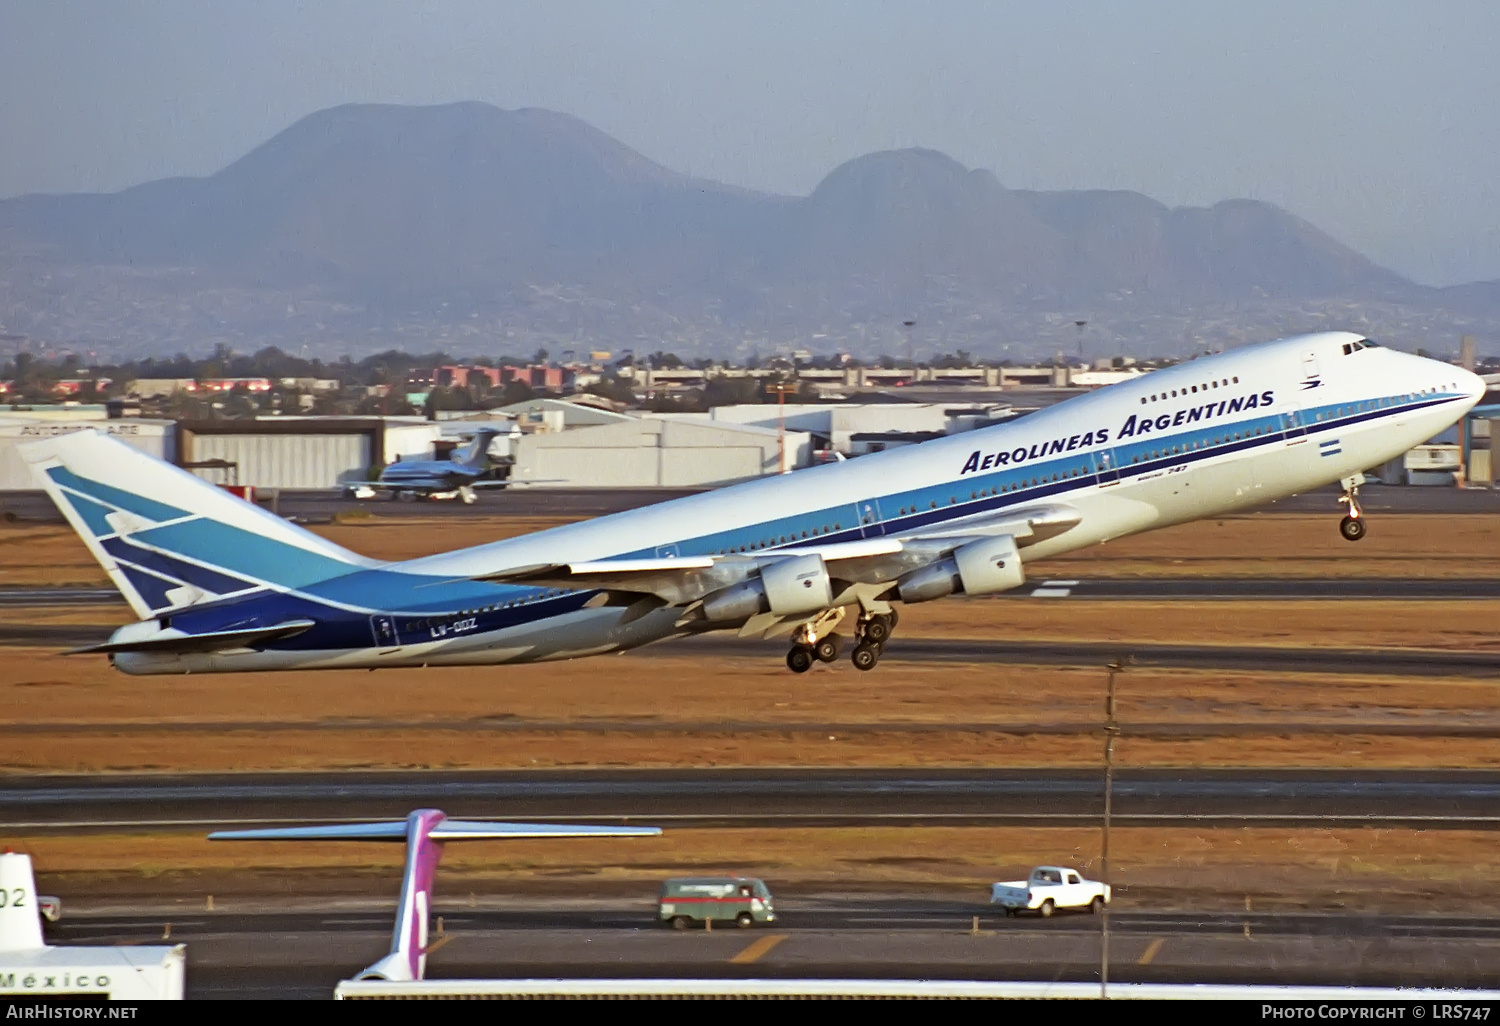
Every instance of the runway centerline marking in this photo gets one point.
(1051, 592)
(1150, 952)
(758, 948)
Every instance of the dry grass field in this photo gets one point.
(663, 708)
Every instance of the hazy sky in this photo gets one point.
(1378, 122)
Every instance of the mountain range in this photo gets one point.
(465, 225)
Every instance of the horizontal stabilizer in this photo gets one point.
(169, 640)
(448, 830)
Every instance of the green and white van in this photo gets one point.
(742, 900)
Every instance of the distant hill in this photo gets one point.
(469, 207)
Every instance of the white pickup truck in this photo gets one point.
(1049, 889)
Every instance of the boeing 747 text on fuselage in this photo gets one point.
(221, 585)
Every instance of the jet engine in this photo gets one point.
(787, 587)
(978, 568)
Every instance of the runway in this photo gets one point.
(279, 954)
(742, 798)
(1398, 662)
(1146, 589)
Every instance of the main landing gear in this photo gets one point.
(815, 640)
(1352, 527)
(870, 636)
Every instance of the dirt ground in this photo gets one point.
(663, 709)
(75, 714)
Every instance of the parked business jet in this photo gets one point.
(221, 585)
(457, 477)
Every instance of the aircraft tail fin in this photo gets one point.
(424, 832)
(20, 910)
(168, 539)
(479, 449)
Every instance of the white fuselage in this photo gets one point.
(1206, 437)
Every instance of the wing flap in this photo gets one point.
(683, 580)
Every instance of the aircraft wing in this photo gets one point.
(869, 561)
(447, 830)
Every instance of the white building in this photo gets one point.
(155, 437)
(652, 453)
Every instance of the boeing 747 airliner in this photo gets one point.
(221, 585)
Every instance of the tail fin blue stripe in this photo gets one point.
(138, 504)
(93, 515)
(150, 587)
(242, 553)
(160, 563)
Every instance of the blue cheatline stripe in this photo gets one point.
(138, 504)
(962, 497)
(390, 591)
(240, 552)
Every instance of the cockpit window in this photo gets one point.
(1357, 345)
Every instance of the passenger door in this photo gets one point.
(1294, 423)
(384, 629)
(868, 511)
(1106, 468)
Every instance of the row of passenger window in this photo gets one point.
(433, 621)
(1174, 393)
(781, 539)
(1169, 450)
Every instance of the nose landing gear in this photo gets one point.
(1352, 527)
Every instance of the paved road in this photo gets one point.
(1198, 589)
(304, 955)
(1436, 799)
(319, 507)
(1268, 658)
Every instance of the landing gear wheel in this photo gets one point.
(799, 659)
(1352, 528)
(865, 656)
(827, 650)
(1047, 909)
(744, 920)
(893, 618)
(877, 630)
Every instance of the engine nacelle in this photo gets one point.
(787, 587)
(736, 602)
(978, 568)
(797, 585)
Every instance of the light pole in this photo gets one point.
(1111, 730)
(781, 388)
(911, 349)
(1080, 325)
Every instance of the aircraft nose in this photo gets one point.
(1472, 384)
